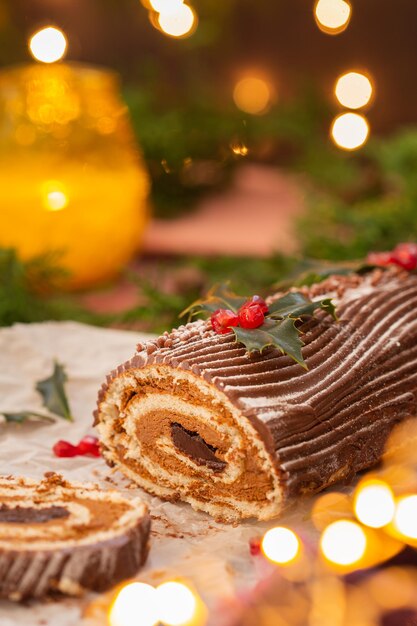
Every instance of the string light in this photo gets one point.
(353, 90)
(135, 605)
(350, 131)
(48, 45)
(405, 519)
(165, 6)
(179, 21)
(176, 602)
(280, 545)
(252, 95)
(332, 16)
(343, 542)
(374, 504)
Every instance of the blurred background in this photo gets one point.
(150, 148)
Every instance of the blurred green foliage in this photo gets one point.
(374, 213)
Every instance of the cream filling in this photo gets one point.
(165, 402)
(169, 483)
(52, 536)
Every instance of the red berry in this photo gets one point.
(89, 445)
(222, 320)
(251, 316)
(255, 546)
(405, 255)
(258, 300)
(380, 258)
(64, 449)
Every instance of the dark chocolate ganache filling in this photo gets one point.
(191, 444)
(22, 515)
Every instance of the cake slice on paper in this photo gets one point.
(238, 420)
(61, 537)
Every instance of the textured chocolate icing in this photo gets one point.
(324, 424)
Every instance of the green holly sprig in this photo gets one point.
(279, 327)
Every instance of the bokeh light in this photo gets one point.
(405, 519)
(280, 545)
(343, 542)
(329, 507)
(350, 131)
(165, 6)
(239, 148)
(54, 195)
(252, 95)
(353, 90)
(332, 16)
(135, 605)
(48, 45)
(176, 602)
(179, 21)
(374, 504)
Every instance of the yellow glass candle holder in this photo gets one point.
(71, 178)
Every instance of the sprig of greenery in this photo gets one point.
(54, 398)
(279, 329)
(29, 291)
(52, 390)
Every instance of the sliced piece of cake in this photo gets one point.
(61, 537)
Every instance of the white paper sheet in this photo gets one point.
(185, 543)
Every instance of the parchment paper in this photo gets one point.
(184, 543)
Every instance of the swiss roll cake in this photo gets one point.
(195, 416)
(61, 537)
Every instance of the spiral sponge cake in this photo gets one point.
(193, 417)
(62, 537)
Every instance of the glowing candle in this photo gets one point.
(69, 171)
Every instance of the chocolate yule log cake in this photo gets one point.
(230, 423)
(62, 537)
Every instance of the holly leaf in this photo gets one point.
(52, 390)
(278, 330)
(220, 296)
(282, 334)
(296, 305)
(26, 416)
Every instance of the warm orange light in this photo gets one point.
(48, 45)
(405, 519)
(55, 197)
(353, 90)
(176, 602)
(280, 545)
(330, 507)
(239, 149)
(350, 131)
(135, 605)
(252, 95)
(165, 6)
(179, 21)
(374, 504)
(343, 542)
(332, 16)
